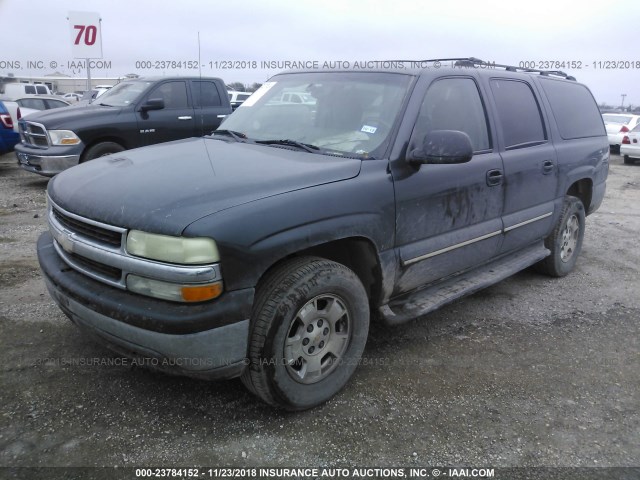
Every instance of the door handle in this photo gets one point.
(184, 118)
(494, 177)
(547, 166)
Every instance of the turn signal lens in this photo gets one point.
(201, 293)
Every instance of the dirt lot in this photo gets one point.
(532, 371)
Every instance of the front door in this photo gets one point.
(448, 217)
(173, 122)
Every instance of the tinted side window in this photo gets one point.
(41, 90)
(205, 94)
(35, 103)
(174, 94)
(30, 89)
(574, 109)
(454, 104)
(55, 104)
(518, 113)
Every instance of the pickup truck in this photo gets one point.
(265, 250)
(132, 114)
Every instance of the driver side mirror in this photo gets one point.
(152, 104)
(443, 147)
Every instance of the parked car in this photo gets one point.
(16, 89)
(8, 137)
(295, 97)
(630, 148)
(618, 125)
(237, 98)
(28, 104)
(72, 97)
(132, 114)
(90, 95)
(261, 251)
(40, 102)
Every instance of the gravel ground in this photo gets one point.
(533, 371)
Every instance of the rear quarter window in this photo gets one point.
(574, 109)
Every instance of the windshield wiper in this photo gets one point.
(237, 136)
(105, 105)
(292, 143)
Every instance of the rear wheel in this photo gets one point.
(101, 149)
(565, 242)
(308, 331)
(628, 160)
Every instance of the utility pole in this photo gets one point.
(623, 97)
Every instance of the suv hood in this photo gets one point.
(163, 188)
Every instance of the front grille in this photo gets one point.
(88, 230)
(101, 269)
(34, 134)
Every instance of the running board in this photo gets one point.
(419, 302)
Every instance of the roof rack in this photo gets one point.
(472, 62)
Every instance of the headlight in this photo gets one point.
(181, 250)
(172, 291)
(63, 137)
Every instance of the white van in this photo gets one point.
(12, 90)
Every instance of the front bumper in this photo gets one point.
(47, 162)
(207, 340)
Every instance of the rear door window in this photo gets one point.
(30, 89)
(519, 114)
(205, 94)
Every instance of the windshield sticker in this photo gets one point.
(368, 129)
(258, 94)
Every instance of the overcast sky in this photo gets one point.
(330, 30)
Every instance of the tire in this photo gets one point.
(565, 242)
(101, 149)
(300, 354)
(628, 160)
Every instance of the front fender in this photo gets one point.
(254, 236)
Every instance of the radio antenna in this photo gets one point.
(200, 88)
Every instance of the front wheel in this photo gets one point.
(565, 242)
(308, 331)
(101, 149)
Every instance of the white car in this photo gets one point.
(237, 98)
(72, 97)
(618, 125)
(90, 95)
(630, 148)
(23, 105)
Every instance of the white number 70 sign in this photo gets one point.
(86, 41)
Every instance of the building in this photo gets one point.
(61, 83)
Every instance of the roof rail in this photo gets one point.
(472, 62)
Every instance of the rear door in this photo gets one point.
(208, 105)
(175, 121)
(448, 217)
(530, 162)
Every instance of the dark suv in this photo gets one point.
(264, 251)
(132, 114)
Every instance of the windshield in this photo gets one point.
(123, 94)
(341, 113)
